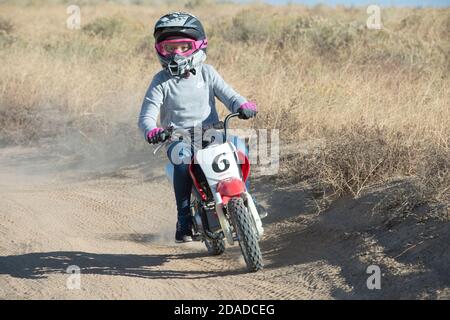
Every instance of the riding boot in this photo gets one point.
(184, 229)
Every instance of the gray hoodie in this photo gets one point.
(186, 102)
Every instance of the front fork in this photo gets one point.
(253, 213)
(225, 225)
(226, 228)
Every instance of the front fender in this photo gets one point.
(229, 188)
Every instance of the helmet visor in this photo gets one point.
(183, 47)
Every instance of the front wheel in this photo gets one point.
(245, 229)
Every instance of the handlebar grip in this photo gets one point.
(165, 136)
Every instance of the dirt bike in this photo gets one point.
(221, 207)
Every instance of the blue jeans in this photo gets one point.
(182, 182)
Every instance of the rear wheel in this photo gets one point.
(215, 247)
(245, 229)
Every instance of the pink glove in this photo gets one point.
(153, 136)
(247, 110)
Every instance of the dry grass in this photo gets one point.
(377, 100)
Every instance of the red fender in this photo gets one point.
(229, 188)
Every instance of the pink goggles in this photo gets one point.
(183, 47)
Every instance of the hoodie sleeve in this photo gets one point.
(224, 92)
(151, 105)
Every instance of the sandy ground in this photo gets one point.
(115, 220)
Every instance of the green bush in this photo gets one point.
(249, 26)
(75, 46)
(108, 27)
(336, 40)
(192, 4)
(6, 29)
(6, 26)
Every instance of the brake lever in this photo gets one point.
(168, 131)
(159, 147)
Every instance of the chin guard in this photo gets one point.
(179, 65)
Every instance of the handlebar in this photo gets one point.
(225, 122)
(218, 125)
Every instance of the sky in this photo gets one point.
(402, 3)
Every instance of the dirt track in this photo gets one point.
(116, 222)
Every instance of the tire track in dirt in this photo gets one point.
(118, 227)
